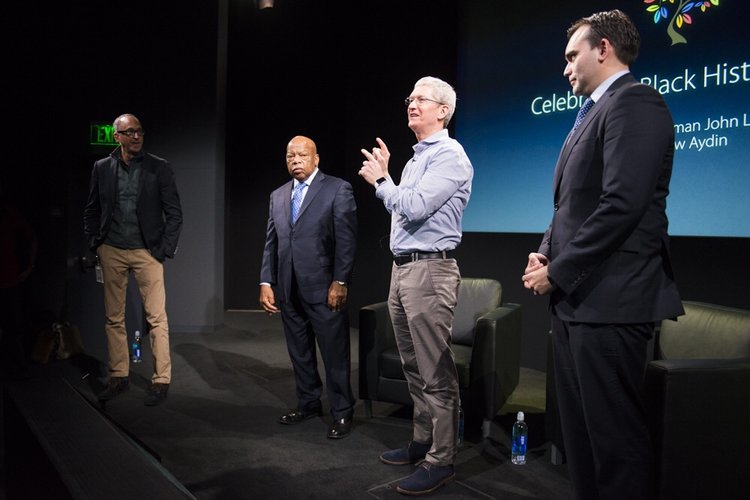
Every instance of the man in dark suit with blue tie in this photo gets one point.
(308, 258)
(605, 261)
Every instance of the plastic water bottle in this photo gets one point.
(460, 430)
(137, 347)
(520, 440)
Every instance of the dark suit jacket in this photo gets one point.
(319, 248)
(158, 207)
(607, 245)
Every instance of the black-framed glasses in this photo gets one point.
(132, 132)
(420, 100)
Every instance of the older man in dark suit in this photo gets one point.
(308, 258)
(605, 259)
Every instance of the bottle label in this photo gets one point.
(136, 353)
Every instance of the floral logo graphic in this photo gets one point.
(680, 17)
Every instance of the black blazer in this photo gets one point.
(607, 244)
(319, 248)
(158, 207)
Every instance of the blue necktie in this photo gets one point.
(587, 105)
(297, 200)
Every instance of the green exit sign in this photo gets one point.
(102, 134)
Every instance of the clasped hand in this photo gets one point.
(535, 275)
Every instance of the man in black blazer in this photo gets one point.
(308, 258)
(132, 220)
(605, 260)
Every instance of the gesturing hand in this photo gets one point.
(375, 164)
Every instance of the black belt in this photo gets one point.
(405, 258)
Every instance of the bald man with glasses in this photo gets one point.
(132, 221)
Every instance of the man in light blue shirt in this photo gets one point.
(426, 210)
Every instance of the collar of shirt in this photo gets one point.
(307, 181)
(602, 88)
(427, 141)
(136, 160)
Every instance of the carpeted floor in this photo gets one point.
(217, 432)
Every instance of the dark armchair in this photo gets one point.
(486, 342)
(697, 395)
(697, 392)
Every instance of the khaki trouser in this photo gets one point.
(149, 275)
(422, 297)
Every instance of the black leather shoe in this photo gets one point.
(340, 428)
(297, 416)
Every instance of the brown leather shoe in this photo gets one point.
(115, 387)
(156, 394)
(340, 428)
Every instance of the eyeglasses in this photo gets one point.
(131, 132)
(420, 100)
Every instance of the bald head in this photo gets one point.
(301, 140)
(127, 118)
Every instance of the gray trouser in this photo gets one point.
(422, 297)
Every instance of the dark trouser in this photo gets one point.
(422, 297)
(599, 371)
(304, 324)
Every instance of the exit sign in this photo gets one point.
(102, 134)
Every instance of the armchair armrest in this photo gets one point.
(698, 414)
(496, 359)
(375, 336)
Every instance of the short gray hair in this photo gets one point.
(443, 93)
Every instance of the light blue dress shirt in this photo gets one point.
(427, 206)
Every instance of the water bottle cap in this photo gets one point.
(520, 416)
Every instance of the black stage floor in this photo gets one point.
(218, 437)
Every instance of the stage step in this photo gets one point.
(59, 445)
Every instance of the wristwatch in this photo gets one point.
(342, 283)
(380, 181)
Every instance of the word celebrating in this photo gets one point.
(542, 106)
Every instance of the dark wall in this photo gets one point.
(337, 71)
(90, 61)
